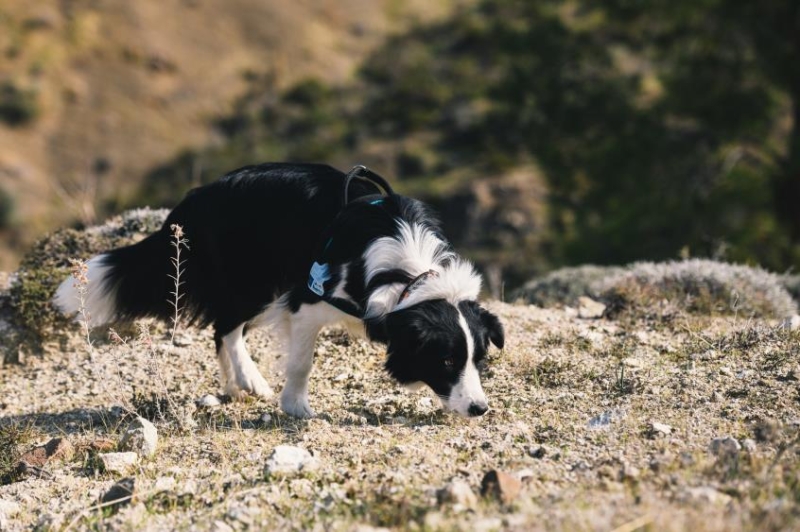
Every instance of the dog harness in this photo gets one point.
(320, 272)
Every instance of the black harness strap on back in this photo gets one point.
(320, 272)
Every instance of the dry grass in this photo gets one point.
(586, 390)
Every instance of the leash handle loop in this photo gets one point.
(362, 172)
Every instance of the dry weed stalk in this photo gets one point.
(178, 241)
(81, 284)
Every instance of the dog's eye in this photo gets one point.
(449, 362)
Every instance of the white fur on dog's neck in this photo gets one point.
(415, 250)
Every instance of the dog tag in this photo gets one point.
(316, 279)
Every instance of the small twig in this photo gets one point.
(178, 241)
(81, 284)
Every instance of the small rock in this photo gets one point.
(55, 449)
(726, 446)
(537, 451)
(605, 419)
(266, 418)
(288, 460)
(459, 492)
(629, 472)
(119, 463)
(209, 401)
(486, 524)
(220, 526)
(120, 494)
(500, 485)
(141, 437)
(658, 430)
(50, 522)
(749, 445)
(164, 484)
(7, 509)
(791, 323)
(703, 495)
(182, 340)
(590, 309)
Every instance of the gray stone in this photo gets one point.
(209, 401)
(749, 445)
(659, 429)
(289, 460)
(703, 495)
(726, 446)
(141, 437)
(119, 463)
(457, 492)
(590, 309)
(220, 526)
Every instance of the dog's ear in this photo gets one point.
(492, 323)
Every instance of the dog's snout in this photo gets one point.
(477, 409)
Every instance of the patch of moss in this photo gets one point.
(46, 266)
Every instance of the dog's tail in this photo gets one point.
(123, 284)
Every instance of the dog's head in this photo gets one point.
(440, 344)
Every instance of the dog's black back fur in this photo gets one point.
(253, 236)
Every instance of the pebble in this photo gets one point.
(288, 460)
(266, 418)
(605, 419)
(590, 309)
(791, 323)
(727, 446)
(182, 340)
(539, 451)
(208, 401)
(659, 429)
(220, 526)
(119, 463)
(140, 437)
(501, 486)
(749, 445)
(705, 495)
(457, 492)
(55, 449)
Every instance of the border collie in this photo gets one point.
(284, 245)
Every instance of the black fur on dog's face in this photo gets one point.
(442, 345)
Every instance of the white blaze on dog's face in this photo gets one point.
(442, 345)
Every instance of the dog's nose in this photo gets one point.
(477, 409)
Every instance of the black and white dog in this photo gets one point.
(284, 245)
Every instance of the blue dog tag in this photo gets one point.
(316, 279)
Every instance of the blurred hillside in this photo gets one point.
(94, 93)
(546, 133)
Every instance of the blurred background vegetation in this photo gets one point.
(547, 133)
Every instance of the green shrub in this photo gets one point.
(46, 265)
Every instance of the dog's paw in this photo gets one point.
(239, 392)
(297, 406)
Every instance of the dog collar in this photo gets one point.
(415, 282)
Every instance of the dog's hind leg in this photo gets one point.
(303, 332)
(224, 360)
(243, 376)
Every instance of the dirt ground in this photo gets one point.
(608, 424)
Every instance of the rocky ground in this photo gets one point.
(596, 424)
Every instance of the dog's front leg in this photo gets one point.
(302, 337)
